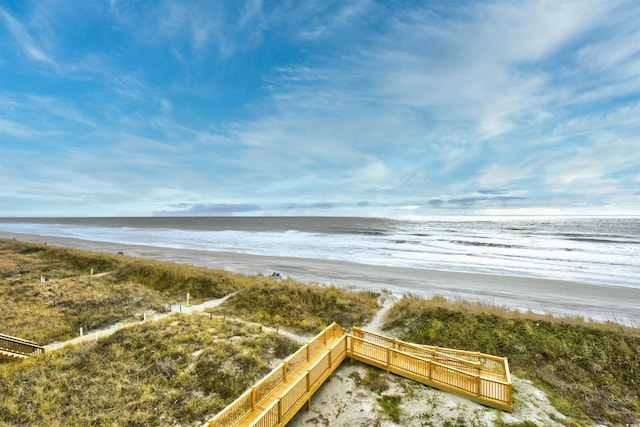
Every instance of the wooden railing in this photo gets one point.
(480, 377)
(289, 386)
(275, 399)
(12, 347)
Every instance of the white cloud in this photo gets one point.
(25, 40)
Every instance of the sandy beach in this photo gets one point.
(556, 297)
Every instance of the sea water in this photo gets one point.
(600, 250)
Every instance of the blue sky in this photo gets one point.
(385, 108)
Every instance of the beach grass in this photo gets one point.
(589, 370)
(50, 292)
(284, 302)
(180, 370)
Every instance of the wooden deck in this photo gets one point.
(17, 348)
(275, 399)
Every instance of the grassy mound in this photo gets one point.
(306, 308)
(591, 371)
(69, 298)
(175, 280)
(177, 371)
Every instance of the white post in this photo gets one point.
(96, 337)
(144, 316)
(81, 333)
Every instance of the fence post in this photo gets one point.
(479, 390)
(284, 372)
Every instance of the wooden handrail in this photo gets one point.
(19, 347)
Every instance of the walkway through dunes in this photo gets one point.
(275, 399)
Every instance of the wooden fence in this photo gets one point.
(12, 347)
(480, 377)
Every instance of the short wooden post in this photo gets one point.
(91, 275)
(188, 299)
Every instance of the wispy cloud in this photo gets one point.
(24, 40)
(231, 108)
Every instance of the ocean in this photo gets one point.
(602, 250)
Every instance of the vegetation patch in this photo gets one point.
(48, 292)
(178, 371)
(390, 404)
(175, 280)
(303, 307)
(590, 371)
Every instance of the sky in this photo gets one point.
(358, 108)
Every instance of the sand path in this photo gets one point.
(150, 317)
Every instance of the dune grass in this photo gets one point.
(301, 307)
(177, 371)
(71, 298)
(591, 371)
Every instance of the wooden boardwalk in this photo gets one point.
(17, 348)
(275, 399)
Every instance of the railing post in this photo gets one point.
(388, 359)
(479, 390)
(280, 410)
(284, 372)
(308, 389)
(253, 398)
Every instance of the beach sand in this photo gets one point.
(556, 297)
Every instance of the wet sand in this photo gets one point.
(557, 297)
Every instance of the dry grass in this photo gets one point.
(305, 308)
(178, 371)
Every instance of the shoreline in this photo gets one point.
(560, 298)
